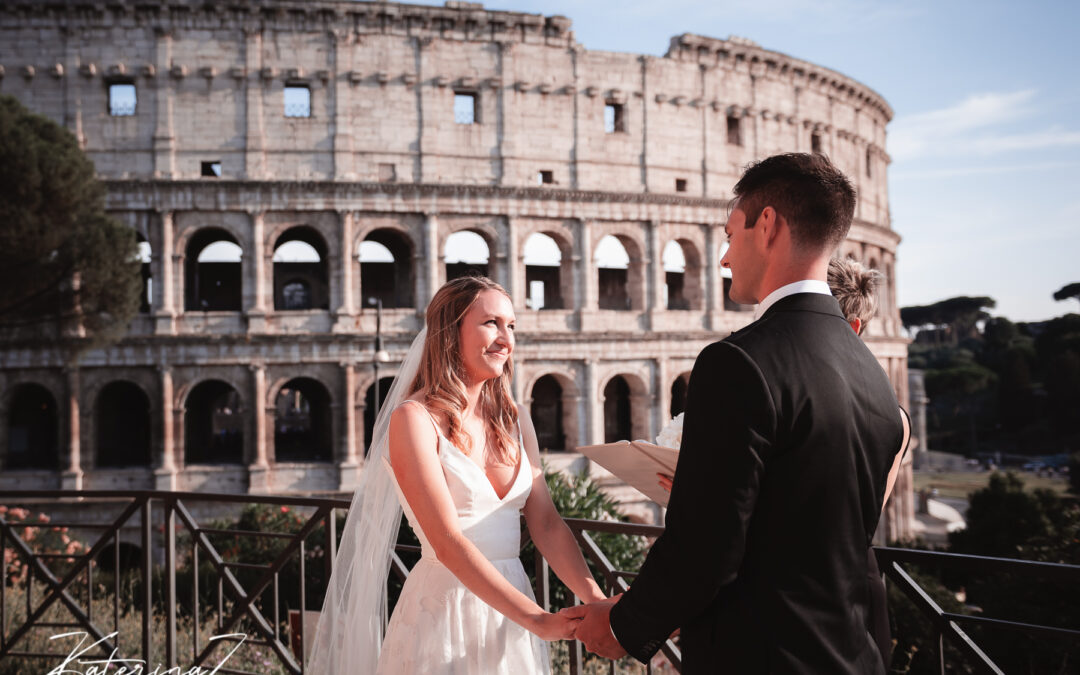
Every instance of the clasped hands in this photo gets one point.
(593, 627)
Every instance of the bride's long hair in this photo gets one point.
(441, 374)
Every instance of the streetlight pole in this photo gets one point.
(380, 353)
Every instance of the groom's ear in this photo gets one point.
(767, 226)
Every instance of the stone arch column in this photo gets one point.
(165, 474)
(167, 261)
(71, 477)
(259, 470)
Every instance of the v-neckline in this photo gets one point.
(513, 481)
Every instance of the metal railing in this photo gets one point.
(244, 608)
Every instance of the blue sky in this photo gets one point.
(985, 142)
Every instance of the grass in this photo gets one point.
(960, 484)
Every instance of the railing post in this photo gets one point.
(574, 652)
(331, 542)
(303, 608)
(170, 584)
(147, 573)
(543, 588)
(941, 651)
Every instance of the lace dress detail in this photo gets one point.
(438, 625)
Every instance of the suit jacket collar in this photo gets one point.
(805, 302)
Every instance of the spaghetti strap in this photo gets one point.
(427, 412)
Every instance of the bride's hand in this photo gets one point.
(554, 626)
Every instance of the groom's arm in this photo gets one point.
(727, 435)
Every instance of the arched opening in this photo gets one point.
(144, 255)
(678, 393)
(213, 425)
(547, 413)
(466, 253)
(682, 275)
(213, 271)
(613, 265)
(543, 263)
(371, 410)
(300, 275)
(386, 268)
(32, 429)
(122, 425)
(302, 426)
(618, 425)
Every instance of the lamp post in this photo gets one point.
(380, 354)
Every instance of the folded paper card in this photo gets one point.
(636, 463)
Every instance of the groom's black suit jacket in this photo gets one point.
(791, 427)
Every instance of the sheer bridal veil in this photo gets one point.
(350, 629)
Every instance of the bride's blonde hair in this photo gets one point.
(441, 373)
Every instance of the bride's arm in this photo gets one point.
(414, 458)
(546, 526)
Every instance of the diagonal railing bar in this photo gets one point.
(243, 599)
(617, 581)
(1019, 626)
(245, 604)
(944, 625)
(59, 591)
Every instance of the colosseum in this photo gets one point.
(303, 175)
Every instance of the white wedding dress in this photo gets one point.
(439, 626)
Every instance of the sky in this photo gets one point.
(984, 183)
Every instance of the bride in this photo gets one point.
(462, 458)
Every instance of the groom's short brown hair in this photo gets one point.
(815, 198)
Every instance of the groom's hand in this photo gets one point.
(595, 628)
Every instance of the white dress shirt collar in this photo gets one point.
(804, 286)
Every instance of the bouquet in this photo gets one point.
(671, 435)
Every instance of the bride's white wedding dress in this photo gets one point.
(439, 626)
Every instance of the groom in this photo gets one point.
(789, 433)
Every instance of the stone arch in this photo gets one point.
(303, 421)
(212, 285)
(625, 407)
(391, 281)
(301, 283)
(679, 387)
(459, 265)
(552, 399)
(685, 286)
(213, 423)
(554, 281)
(33, 428)
(620, 287)
(122, 425)
(371, 409)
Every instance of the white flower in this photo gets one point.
(671, 435)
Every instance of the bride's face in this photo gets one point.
(487, 335)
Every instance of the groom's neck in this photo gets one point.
(782, 273)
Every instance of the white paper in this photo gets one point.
(636, 463)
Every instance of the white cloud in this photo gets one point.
(934, 132)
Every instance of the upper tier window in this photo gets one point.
(297, 100)
(465, 107)
(122, 99)
(614, 118)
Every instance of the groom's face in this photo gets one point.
(742, 258)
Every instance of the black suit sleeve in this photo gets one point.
(728, 425)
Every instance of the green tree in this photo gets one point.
(66, 268)
(1068, 291)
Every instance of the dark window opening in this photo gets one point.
(387, 173)
(302, 430)
(546, 177)
(122, 423)
(301, 280)
(32, 429)
(869, 163)
(676, 298)
(146, 294)
(297, 100)
(213, 425)
(542, 282)
(617, 425)
(370, 410)
(465, 111)
(614, 118)
(386, 268)
(680, 185)
(614, 289)
(547, 413)
(815, 142)
(211, 170)
(213, 272)
(122, 99)
(734, 131)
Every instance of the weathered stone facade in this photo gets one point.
(559, 140)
